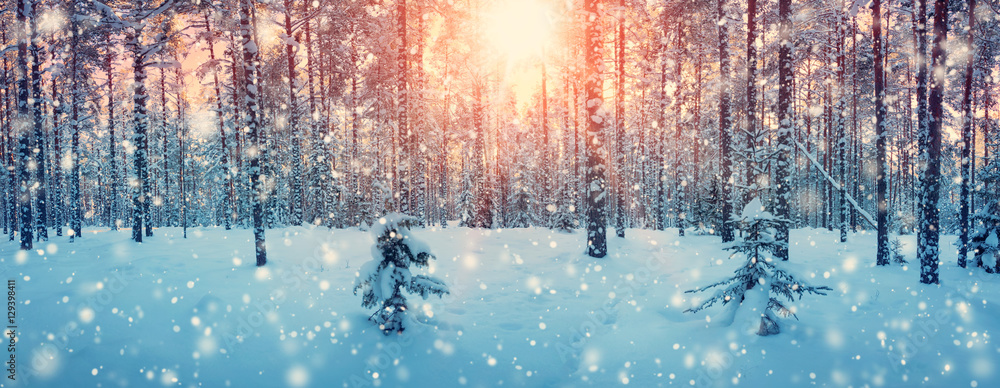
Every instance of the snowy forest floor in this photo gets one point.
(527, 308)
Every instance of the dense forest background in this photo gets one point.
(561, 114)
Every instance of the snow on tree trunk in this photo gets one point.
(596, 187)
(293, 125)
(622, 182)
(75, 222)
(929, 234)
(841, 132)
(725, 130)
(383, 280)
(21, 126)
(783, 163)
(967, 144)
(250, 91)
(41, 207)
(881, 166)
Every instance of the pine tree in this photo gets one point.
(564, 219)
(757, 285)
(466, 199)
(984, 239)
(383, 280)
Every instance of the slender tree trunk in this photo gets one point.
(841, 113)
(76, 95)
(659, 159)
(181, 157)
(113, 143)
(881, 168)
(620, 187)
(295, 208)
(753, 138)
(404, 135)
(725, 129)
(57, 187)
(41, 207)
(967, 144)
(228, 212)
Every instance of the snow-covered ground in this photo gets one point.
(526, 308)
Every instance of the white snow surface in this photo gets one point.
(526, 308)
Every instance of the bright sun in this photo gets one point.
(519, 29)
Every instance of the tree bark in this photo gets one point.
(596, 189)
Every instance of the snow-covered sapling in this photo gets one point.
(382, 280)
(985, 240)
(896, 251)
(564, 215)
(756, 285)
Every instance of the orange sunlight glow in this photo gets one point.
(519, 29)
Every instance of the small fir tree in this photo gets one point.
(896, 251)
(984, 239)
(382, 280)
(756, 285)
(564, 215)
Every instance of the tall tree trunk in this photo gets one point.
(967, 143)
(113, 143)
(404, 135)
(76, 96)
(295, 203)
(928, 241)
(21, 123)
(621, 183)
(57, 187)
(181, 157)
(881, 168)
(841, 117)
(227, 204)
(41, 210)
(250, 91)
(783, 163)
(596, 185)
(165, 211)
(753, 137)
(679, 199)
(725, 129)
(659, 159)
